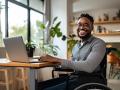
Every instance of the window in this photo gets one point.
(37, 4)
(37, 34)
(2, 21)
(19, 19)
(22, 1)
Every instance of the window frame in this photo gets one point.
(28, 16)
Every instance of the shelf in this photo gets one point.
(107, 34)
(108, 22)
(101, 22)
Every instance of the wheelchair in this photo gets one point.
(92, 86)
(65, 82)
(92, 80)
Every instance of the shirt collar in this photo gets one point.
(88, 40)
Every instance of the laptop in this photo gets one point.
(16, 50)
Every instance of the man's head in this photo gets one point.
(85, 26)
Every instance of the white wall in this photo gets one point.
(60, 8)
(80, 5)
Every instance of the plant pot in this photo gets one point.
(30, 51)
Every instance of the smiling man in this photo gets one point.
(85, 26)
(87, 54)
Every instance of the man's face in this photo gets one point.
(84, 28)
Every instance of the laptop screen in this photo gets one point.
(16, 49)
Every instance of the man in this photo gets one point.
(87, 54)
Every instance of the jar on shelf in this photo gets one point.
(99, 19)
(104, 30)
(99, 29)
(106, 17)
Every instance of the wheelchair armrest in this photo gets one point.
(63, 69)
(59, 69)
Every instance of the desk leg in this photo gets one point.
(31, 79)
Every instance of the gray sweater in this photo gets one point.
(86, 57)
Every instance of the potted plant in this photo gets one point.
(30, 47)
(54, 31)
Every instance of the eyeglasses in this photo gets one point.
(85, 26)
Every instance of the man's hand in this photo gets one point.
(48, 58)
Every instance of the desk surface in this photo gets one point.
(28, 65)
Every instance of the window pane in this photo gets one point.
(36, 34)
(22, 1)
(17, 20)
(37, 4)
(2, 21)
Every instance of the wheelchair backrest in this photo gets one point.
(103, 65)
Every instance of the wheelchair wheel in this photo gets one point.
(92, 86)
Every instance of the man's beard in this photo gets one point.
(84, 37)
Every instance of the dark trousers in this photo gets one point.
(75, 81)
(71, 82)
(53, 84)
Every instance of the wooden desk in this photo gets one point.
(28, 65)
(32, 68)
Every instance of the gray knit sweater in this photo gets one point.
(86, 57)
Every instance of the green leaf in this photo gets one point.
(59, 34)
(54, 19)
(52, 33)
(40, 25)
(57, 30)
(30, 45)
(71, 43)
(55, 53)
(58, 24)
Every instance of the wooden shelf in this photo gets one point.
(107, 34)
(101, 22)
(108, 22)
